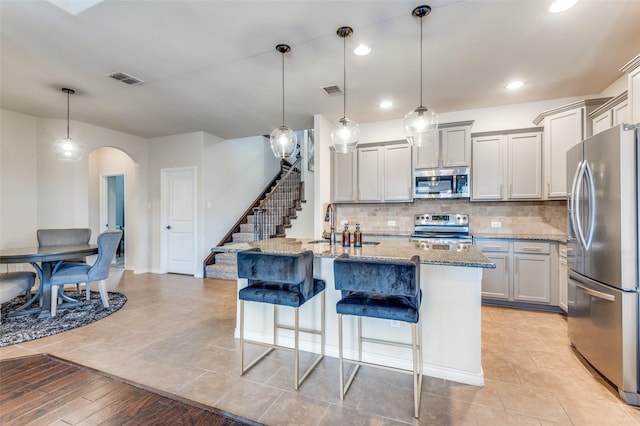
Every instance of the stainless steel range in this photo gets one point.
(442, 229)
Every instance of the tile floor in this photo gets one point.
(176, 334)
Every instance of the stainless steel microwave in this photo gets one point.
(442, 183)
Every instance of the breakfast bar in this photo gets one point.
(450, 280)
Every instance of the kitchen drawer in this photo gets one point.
(531, 247)
(492, 246)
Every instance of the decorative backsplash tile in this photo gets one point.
(523, 217)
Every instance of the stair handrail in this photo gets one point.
(263, 227)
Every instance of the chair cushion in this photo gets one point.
(71, 273)
(12, 284)
(278, 293)
(399, 308)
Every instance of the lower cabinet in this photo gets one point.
(526, 272)
(563, 278)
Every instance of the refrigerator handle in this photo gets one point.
(594, 293)
(592, 205)
(576, 189)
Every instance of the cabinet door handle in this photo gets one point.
(536, 249)
(516, 264)
(491, 248)
(548, 189)
(500, 190)
(506, 266)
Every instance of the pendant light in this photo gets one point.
(345, 135)
(67, 149)
(421, 124)
(283, 140)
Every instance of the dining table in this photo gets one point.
(44, 260)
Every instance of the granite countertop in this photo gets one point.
(434, 254)
(560, 238)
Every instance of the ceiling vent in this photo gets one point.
(333, 89)
(125, 78)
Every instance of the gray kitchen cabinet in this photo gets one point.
(526, 272)
(398, 177)
(373, 173)
(487, 173)
(453, 148)
(507, 165)
(370, 173)
(611, 113)
(632, 68)
(563, 128)
(532, 272)
(495, 282)
(344, 178)
(563, 278)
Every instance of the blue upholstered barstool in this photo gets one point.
(380, 289)
(285, 280)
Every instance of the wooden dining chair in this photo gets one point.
(83, 273)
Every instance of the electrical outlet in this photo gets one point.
(496, 224)
(391, 223)
(344, 222)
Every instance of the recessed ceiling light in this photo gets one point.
(362, 50)
(515, 85)
(561, 5)
(386, 104)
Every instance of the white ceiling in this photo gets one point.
(211, 65)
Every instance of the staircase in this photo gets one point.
(275, 209)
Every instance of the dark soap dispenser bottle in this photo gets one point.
(357, 236)
(346, 236)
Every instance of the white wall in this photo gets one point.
(55, 193)
(18, 180)
(322, 188)
(236, 171)
(109, 161)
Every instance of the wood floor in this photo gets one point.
(43, 390)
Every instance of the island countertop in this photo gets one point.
(466, 255)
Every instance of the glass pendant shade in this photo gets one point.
(283, 142)
(345, 135)
(421, 127)
(421, 124)
(67, 149)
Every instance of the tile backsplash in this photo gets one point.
(523, 217)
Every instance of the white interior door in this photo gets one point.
(179, 220)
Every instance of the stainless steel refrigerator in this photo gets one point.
(602, 254)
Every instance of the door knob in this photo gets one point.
(168, 226)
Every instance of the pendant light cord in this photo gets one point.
(421, 61)
(282, 89)
(344, 76)
(68, 94)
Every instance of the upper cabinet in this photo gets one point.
(633, 71)
(373, 173)
(452, 150)
(507, 165)
(563, 128)
(610, 114)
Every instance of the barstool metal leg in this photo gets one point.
(416, 395)
(340, 356)
(241, 337)
(296, 355)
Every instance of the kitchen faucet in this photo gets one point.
(330, 216)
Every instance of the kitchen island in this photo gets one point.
(450, 279)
